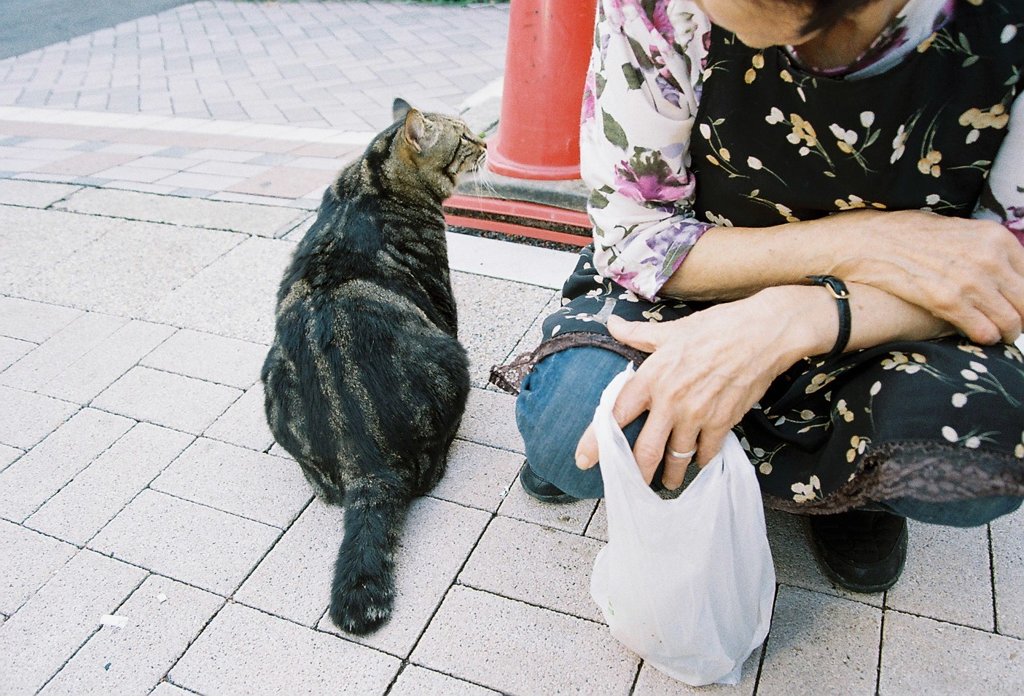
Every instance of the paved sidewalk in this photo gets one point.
(141, 249)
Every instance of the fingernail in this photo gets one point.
(582, 461)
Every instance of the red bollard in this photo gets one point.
(549, 44)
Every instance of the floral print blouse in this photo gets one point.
(642, 95)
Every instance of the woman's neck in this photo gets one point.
(845, 41)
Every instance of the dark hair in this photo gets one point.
(824, 13)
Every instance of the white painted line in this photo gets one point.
(181, 124)
(522, 263)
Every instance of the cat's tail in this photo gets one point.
(364, 588)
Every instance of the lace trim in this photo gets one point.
(510, 376)
(927, 471)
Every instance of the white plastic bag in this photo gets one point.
(688, 584)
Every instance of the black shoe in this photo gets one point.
(540, 489)
(860, 550)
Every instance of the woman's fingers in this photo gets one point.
(632, 401)
(649, 448)
(678, 455)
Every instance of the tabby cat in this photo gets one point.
(366, 381)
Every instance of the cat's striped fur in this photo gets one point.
(366, 381)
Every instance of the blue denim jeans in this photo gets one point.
(557, 401)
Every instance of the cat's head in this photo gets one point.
(429, 150)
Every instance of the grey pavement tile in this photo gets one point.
(517, 648)
(1008, 573)
(492, 318)
(651, 682)
(27, 418)
(533, 336)
(49, 627)
(56, 460)
(131, 659)
(8, 455)
(477, 476)
(188, 542)
(97, 369)
(29, 561)
(130, 268)
(284, 182)
(55, 237)
(490, 419)
(795, 563)
(569, 517)
(12, 350)
(294, 580)
(33, 321)
(62, 349)
(167, 399)
(947, 576)
(169, 689)
(923, 656)
(32, 194)
(204, 182)
(418, 681)
(250, 484)
(535, 564)
(818, 639)
(244, 423)
(210, 357)
(234, 296)
(242, 652)
(437, 538)
(101, 490)
(597, 528)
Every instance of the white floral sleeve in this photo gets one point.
(639, 106)
(1003, 198)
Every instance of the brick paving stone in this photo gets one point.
(234, 296)
(33, 321)
(130, 660)
(417, 681)
(818, 639)
(924, 656)
(102, 489)
(286, 182)
(490, 420)
(29, 561)
(947, 576)
(500, 310)
(62, 349)
(569, 517)
(260, 220)
(9, 455)
(55, 236)
(130, 268)
(294, 580)
(521, 649)
(36, 642)
(231, 169)
(243, 651)
(56, 460)
(651, 682)
(96, 370)
(436, 540)
(31, 193)
(1008, 573)
(795, 563)
(12, 350)
(27, 418)
(244, 423)
(210, 357)
(167, 399)
(477, 476)
(128, 172)
(535, 564)
(85, 163)
(236, 480)
(185, 541)
(203, 182)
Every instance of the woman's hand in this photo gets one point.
(967, 272)
(705, 372)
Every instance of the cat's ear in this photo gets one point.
(418, 131)
(399, 109)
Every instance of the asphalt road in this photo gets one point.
(26, 25)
